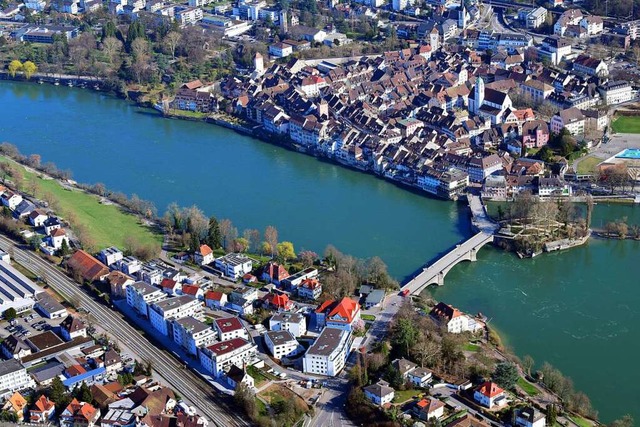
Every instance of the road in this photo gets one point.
(192, 388)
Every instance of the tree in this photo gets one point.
(29, 68)
(9, 314)
(111, 46)
(552, 414)
(308, 258)
(253, 237)
(271, 237)
(245, 399)
(506, 375)
(394, 377)
(404, 334)
(171, 41)
(285, 251)
(14, 67)
(240, 244)
(57, 391)
(83, 393)
(214, 237)
(426, 349)
(229, 233)
(64, 248)
(34, 160)
(528, 364)
(625, 421)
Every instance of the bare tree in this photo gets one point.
(112, 47)
(229, 233)
(171, 41)
(271, 237)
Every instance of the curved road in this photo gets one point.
(190, 386)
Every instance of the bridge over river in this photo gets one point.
(466, 251)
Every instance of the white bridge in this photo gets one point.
(466, 251)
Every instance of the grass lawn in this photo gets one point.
(369, 317)
(588, 165)
(626, 124)
(190, 114)
(258, 377)
(492, 208)
(108, 225)
(262, 407)
(404, 395)
(471, 347)
(582, 422)
(528, 388)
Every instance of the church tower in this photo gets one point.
(478, 95)
(283, 21)
(434, 39)
(258, 63)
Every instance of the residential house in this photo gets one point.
(374, 299)
(280, 50)
(343, 314)
(215, 300)
(420, 377)
(87, 267)
(112, 361)
(403, 366)
(274, 273)
(329, 352)
(73, 327)
(170, 287)
(237, 376)
(234, 265)
(57, 237)
(453, 319)
(379, 393)
(118, 281)
(571, 119)
(130, 266)
(282, 344)
(78, 414)
(495, 188)
(110, 256)
(616, 92)
(310, 289)
(490, 395)
(14, 348)
(218, 358)
(18, 405)
(553, 186)
(428, 408)
(204, 255)
(43, 410)
(193, 291)
(50, 224)
(23, 209)
(535, 134)
(292, 322)
(10, 199)
(530, 417)
(277, 301)
(537, 90)
(37, 218)
(585, 64)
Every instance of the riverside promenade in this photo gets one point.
(435, 273)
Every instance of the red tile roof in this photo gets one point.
(213, 295)
(75, 370)
(168, 283)
(227, 346)
(205, 250)
(43, 404)
(190, 290)
(59, 232)
(490, 389)
(90, 268)
(345, 308)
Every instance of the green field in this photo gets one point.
(404, 395)
(528, 388)
(107, 225)
(626, 124)
(471, 347)
(368, 317)
(588, 165)
(582, 422)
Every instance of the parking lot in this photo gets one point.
(27, 324)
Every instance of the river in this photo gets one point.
(575, 309)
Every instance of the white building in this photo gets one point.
(280, 50)
(455, 320)
(292, 322)
(14, 377)
(615, 92)
(490, 395)
(130, 265)
(530, 417)
(11, 199)
(141, 295)
(204, 255)
(571, 119)
(536, 17)
(16, 290)
(191, 334)
(171, 309)
(188, 15)
(110, 256)
(328, 354)
(234, 265)
(282, 344)
(229, 328)
(379, 393)
(218, 358)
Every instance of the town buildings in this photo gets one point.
(281, 344)
(218, 358)
(291, 322)
(14, 376)
(234, 265)
(328, 354)
(161, 312)
(453, 319)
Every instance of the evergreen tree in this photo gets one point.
(214, 237)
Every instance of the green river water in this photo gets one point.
(576, 309)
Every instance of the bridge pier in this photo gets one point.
(473, 255)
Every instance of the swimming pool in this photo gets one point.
(629, 153)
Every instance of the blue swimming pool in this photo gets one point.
(629, 153)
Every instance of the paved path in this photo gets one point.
(191, 387)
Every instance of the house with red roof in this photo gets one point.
(213, 299)
(274, 273)
(310, 289)
(279, 302)
(194, 291)
(170, 287)
(73, 327)
(78, 414)
(43, 410)
(490, 395)
(343, 314)
(204, 255)
(88, 267)
(426, 409)
(454, 320)
(249, 278)
(230, 327)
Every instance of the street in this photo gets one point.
(192, 388)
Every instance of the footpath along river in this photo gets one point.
(577, 309)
